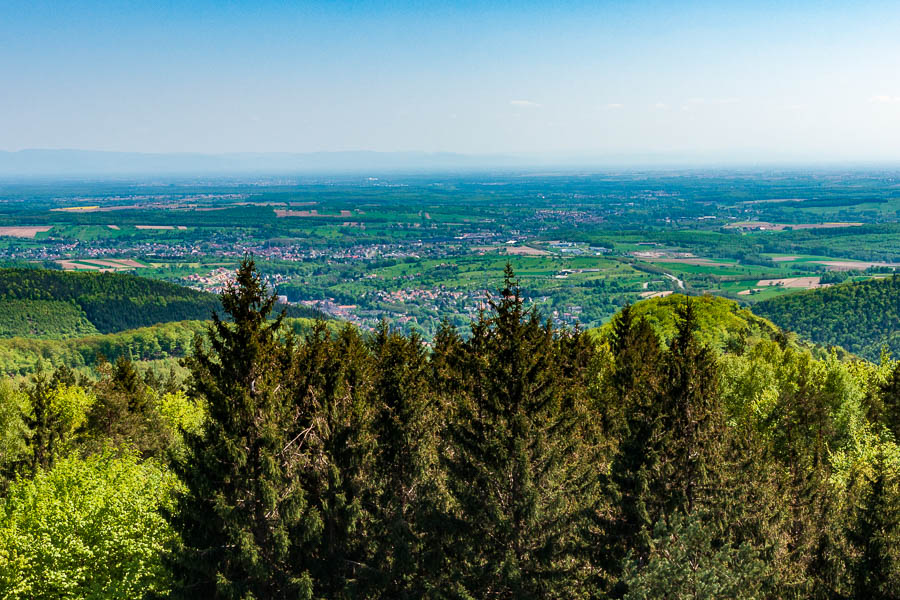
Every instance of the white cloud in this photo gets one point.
(613, 106)
(525, 104)
(883, 99)
(661, 106)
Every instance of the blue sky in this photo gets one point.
(775, 81)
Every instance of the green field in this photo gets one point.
(416, 250)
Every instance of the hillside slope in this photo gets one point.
(723, 323)
(44, 303)
(166, 342)
(43, 319)
(861, 317)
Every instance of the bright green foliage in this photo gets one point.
(23, 355)
(181, 413)
(159, 342)
(802, 433)
(686, 561)
(720, 323)
(56, 410)
(86, 529)
(521, 465)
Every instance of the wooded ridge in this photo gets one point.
(689, 449)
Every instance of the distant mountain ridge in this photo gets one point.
(74, 163)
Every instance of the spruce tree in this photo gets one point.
(405, 472)
(330, 379)
(874, 536)
(671, 446)
(637, 421)
(241, 496)
(123, 414)
(890, 403)
(44, 424)
(695, 418)
(520, 470)
(49, 428)
(688, 560)
(636, 373)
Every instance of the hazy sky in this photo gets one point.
(786, 80)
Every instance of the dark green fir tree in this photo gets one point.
(874, 536)
(694, 417)
(241, 497)
(331, 381)
(634, 417)
(406, 477)
(520, 467)
(44, 423)
(123, 414)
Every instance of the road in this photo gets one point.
(676, 280)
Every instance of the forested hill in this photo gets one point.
(52, 304)
(861, 317)
(723, 324)
(511, 460)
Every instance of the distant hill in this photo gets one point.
(48, 304)
(861, 316)
(76, 163)
(724, 325)
(43, 319)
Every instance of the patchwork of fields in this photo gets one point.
(417, 250)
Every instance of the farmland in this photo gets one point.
(419, 249)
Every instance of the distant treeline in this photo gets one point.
(106, 302)
(862, 317)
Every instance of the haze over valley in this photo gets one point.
(449, 300)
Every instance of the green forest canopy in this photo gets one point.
(98, 302)
(521, 461)
(723, 323)
(862, 317)
(166, 342)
